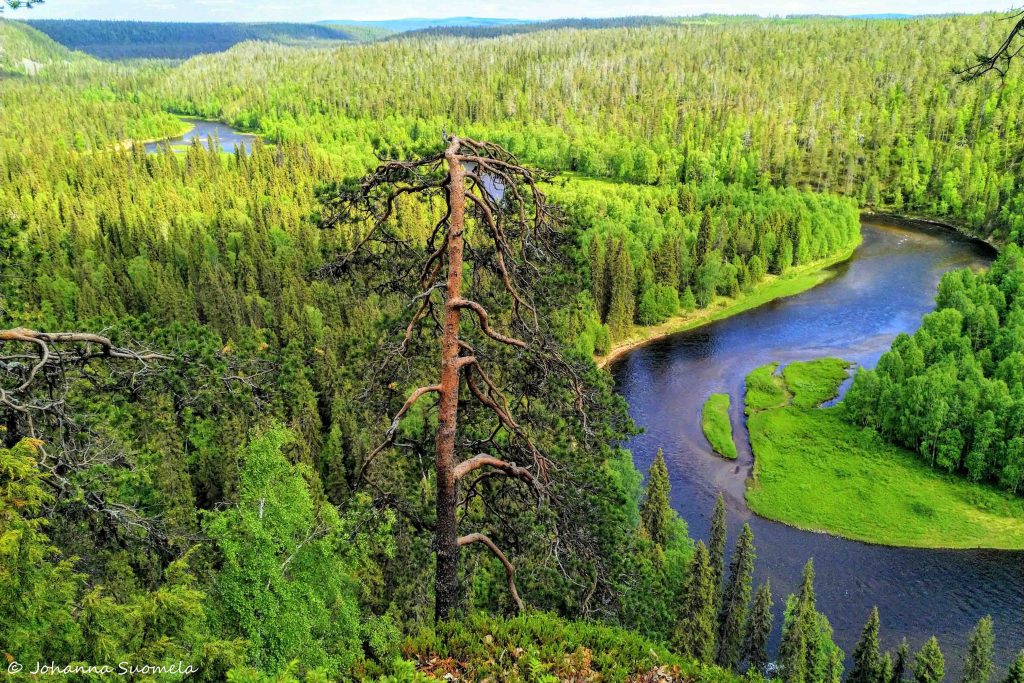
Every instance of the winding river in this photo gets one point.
(883, 290)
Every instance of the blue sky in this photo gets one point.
(315, 10)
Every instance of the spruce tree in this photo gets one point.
(793, 648)
(885, 670)
(759, 628)
(621, 297)
(695, 635)
(599, 277)
(866, 659)
(978, 660)
(736, 601)
(703, 245)
(656, 511)
(1016, 672)
(800, 632)
(899, 668)
(929, 664)
(716, 546)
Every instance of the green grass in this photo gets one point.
(813, 383)
(814, 471)
(717, 427)
(765, 389)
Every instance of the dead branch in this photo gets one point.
(999, 60)
(510, 571)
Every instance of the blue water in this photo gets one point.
(226, 136)
(884, 290)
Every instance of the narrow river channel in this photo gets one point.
(883, 290)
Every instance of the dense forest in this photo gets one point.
(180, 40)
(745, 102)
(212, 491)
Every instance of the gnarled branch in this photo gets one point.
(510, 571)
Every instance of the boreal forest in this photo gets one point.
(637, 350)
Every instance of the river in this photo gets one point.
(883, 290)
(226, 136)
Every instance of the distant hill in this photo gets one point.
(532, 27)
(403, 25)
(175, 40)
(24, 50)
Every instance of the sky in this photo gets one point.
(318, 10)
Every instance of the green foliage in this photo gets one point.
(286, 582)
(954, 390)
(642, 243)
(759, 628)
(929, 664)
(716, 546)
(732, 617)
(978, 659)
(27, 51)
(717, 425)
(541, 647)
(695, 633)
(49, 613)
(1016, 671)
(807, 653)
(867, 662)
(656, 512)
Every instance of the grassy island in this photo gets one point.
(717, 427)
(815, 471)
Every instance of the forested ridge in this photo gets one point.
(235, 480)
(746, 101)
(179, 40)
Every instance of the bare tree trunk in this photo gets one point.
(446, 538)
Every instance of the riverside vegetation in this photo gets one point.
(221, 466)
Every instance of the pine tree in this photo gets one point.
(978, 660)
(716, 545)
(656, 510)
(929, 664)
(736, 601)
(899, 668)
(759, 628)
(866, 659)
(800, 632)
(1016, 672)
(695, 634)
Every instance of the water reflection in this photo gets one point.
(205, 131)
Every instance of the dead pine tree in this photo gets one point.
(497, 224)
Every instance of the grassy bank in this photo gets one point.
(795, 281)
(814, 471)
(717, 427)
